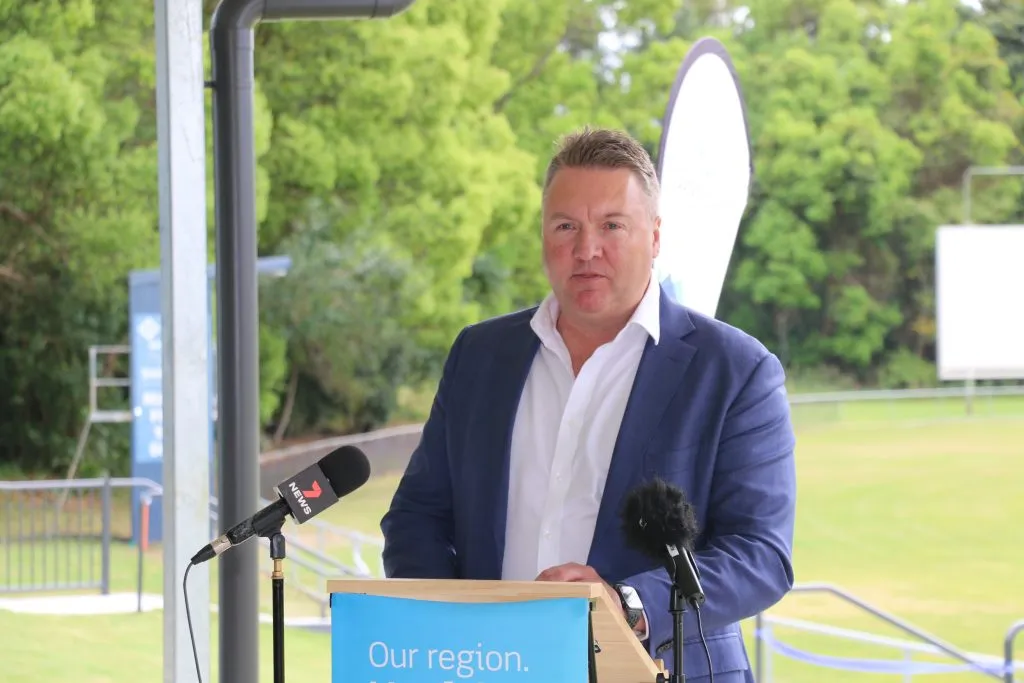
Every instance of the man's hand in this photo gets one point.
(582, 573)
(574, 571)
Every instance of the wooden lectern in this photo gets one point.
(620, 658)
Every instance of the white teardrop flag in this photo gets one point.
(705, 169)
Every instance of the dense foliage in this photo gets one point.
(400, 161)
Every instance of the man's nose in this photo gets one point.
(587, 246)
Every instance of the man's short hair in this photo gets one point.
(605, 148)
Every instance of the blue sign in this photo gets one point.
(377, 639)
(147, 395)
(146, 375)
(147, 388)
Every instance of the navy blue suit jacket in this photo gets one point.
(708, 412)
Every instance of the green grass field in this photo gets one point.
(911, 506)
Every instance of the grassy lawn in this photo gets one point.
(921, 520)
(913, 507)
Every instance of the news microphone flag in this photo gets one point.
(705, 169)
(308, 493)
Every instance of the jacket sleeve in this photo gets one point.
(419, 527)
(745, 561)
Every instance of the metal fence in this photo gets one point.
(58, 535)
(965, 393)
(767, 642)
(49, 546)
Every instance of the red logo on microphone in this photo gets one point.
(313, 492)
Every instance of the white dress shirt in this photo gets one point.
(563, 437)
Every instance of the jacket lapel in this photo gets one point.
(510, 368)
(658, 378)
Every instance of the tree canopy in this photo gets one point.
(400, 165)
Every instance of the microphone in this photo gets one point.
(659, 522)
(301, 497)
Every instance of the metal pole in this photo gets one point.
(1011, 635)
(107, 535)
(231, 42)
(969, 175)
(237, 336)
(139, 572)
(184, 316)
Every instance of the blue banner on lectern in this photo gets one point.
(377, 639)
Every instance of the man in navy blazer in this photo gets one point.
(545, 419)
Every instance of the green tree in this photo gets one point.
(864, 116)
(76, 213)
(395, 121)
(339, 311)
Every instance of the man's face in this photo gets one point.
(600, 241)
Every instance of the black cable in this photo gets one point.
(592, 647)
(188, 618)
(707, 652)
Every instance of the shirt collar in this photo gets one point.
(646, 317)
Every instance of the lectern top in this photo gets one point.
(458, 590)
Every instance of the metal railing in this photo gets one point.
(923, 643)
(1011, 636)
(866, 407)
(933, 393)
(58, 535)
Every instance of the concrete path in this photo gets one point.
(121, 603)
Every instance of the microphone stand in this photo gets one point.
(677, 606)
(277, 554)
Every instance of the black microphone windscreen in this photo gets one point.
(346, 468)
(657, 514)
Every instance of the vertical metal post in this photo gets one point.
(31, 544)
(968, 219)
(141, 552)
(47, 541)
(21, 538)
(80, 535)
(93, 374)
(184, 304)
(1011, 665)
(9, 538)
(106, 532)
(237, 342)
